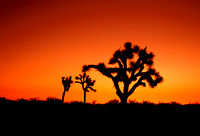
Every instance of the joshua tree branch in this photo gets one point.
(101, 68)
(140, 71)
(139, 82)
(118, 91)
(119, 63)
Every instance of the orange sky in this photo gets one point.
(43, 40)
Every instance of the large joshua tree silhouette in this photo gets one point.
(86, 82)
(134, 65)
(66, 84)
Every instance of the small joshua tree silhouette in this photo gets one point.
(86, 82)
(66, 84)
(138, 70)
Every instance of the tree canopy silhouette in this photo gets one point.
(134, 65)
(86, 82)
(66, 84)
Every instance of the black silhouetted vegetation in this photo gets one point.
(135, 68)
(112, 107)
(35, 100)
(86, 82)
(66, 81)
(134, 65)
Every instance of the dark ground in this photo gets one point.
(52, 113)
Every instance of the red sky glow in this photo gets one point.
(43, 40)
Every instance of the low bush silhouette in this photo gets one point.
(52, 104)
(115, 101)
(54, 100)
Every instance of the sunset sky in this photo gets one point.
(43, 40)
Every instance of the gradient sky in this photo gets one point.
(43, 40)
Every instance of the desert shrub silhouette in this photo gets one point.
(86, 82)
(53, 100)
(66, 84)
(115, 101)
(54, 105)
(134, 65)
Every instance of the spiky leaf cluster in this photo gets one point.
(67, 81)
(86, 82)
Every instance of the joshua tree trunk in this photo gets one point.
(123, 100)
(63, 95)
(123, 96)
(84, 96)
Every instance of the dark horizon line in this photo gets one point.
(59, 101)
